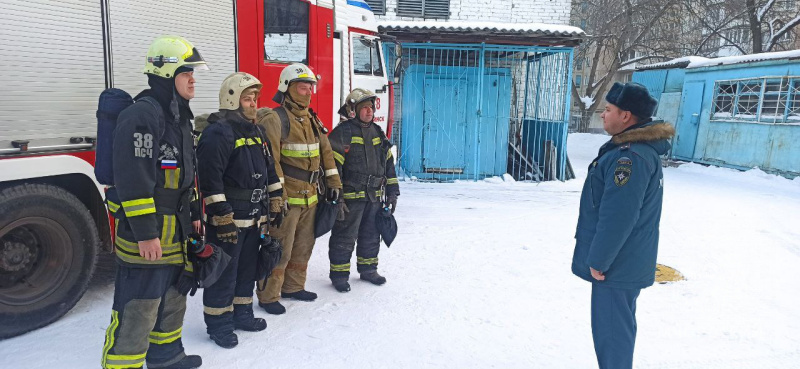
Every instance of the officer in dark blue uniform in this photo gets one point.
(238, 183)
(620, 210)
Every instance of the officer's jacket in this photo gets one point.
(365, 161)
(154, 176)
(620, 208)
(300, 147)
(237, 173)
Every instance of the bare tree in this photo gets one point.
(749, 26)
(619, 34)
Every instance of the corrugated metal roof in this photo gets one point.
(466, 26)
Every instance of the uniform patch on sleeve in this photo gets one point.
(624, 161)
(621, 175)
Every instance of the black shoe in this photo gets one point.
(225, 340)
(301, 295)
(188, 362)
(243, 319)
(274, 308)
(341, 284)
(373, 277)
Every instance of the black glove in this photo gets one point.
(391, 202)
(227, 231)
(333, 194)
(343, 210)
(276, 219)
(187, 283)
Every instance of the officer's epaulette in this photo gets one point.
(625, 146)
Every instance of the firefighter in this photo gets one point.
(366, 165)
(300, 145)
(237, 181)
(154, 173)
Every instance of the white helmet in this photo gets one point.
(232, 87)
(296, 72)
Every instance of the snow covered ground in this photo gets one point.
(479, 277)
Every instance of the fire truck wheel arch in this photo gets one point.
(48, 246)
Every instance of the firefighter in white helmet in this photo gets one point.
(154, 174)
(237, 180)
(300, 146)
(366, 165)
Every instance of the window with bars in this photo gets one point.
(378, 6)
(763, 100)
(431, 9)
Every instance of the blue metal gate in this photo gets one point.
(474, 111)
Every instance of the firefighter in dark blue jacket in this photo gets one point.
(154, 176)
(366, 165)
(238, 184)
(620, 210)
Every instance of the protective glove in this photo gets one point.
(187, 283)
(227, 231)
(343, 210)
(277, 210)
(333, 194)
(391, 202)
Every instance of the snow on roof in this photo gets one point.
(681, 62)
(472, 26)
(699, 61)
(791, 54)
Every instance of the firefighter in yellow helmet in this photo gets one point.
(154, 176)
(237, 178)
(300, 146)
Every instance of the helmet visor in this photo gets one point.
(195, 61)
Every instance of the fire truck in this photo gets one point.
(58, 56)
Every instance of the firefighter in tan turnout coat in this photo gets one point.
(300, 146)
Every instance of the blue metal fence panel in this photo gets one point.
(472, 111)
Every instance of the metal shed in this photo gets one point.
(739, 112)
(470, 107)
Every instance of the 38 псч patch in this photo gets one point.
(621, 175)
(624, 161)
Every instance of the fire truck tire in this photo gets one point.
(48, 248)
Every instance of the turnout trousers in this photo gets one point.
(235, 285)
(296, 235)
(146, 318)
(358, 226)
(614, 325)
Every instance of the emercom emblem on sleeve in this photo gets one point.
(621, 175)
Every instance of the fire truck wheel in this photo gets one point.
(48, 247)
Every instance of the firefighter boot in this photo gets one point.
(243, 319)
(188, 362)
(340, 284)
(225, 339)
(274, 308)
(373, 277)
(301, 295)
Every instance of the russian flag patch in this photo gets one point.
(169, 164)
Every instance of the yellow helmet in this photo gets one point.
(355, 97)
(232, 88)
(296, 72)
(168, 53)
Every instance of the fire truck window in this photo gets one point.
(286, 31)
(366, 57)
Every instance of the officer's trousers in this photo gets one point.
(235, 285)
(358, 225)
(614, 325)
(296, 235)
(146, 318)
